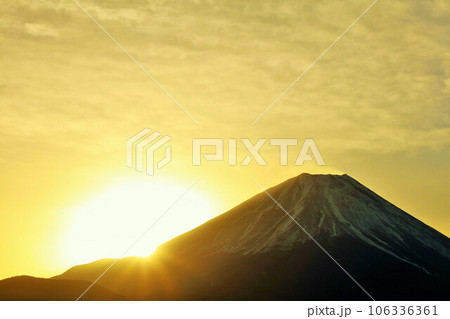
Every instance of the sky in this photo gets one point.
(376, 105)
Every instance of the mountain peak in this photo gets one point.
(320, 178)
(328, 207)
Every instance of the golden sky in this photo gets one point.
(376, 104)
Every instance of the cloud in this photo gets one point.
(40, 30)
(383, 85)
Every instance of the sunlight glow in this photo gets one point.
(108, 224)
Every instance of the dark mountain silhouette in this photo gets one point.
(256, 252)
(31, 288)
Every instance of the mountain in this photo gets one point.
(257, 252)
(31, 288)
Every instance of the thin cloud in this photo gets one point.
(40, 30)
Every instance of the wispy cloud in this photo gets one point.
(40, 30)
(387, 79)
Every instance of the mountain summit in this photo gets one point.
(328, 207)
(291, 245)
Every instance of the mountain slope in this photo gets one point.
(256, 252)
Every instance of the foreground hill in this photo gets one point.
(30, 288)
(256, 252)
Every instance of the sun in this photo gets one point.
(108, 224)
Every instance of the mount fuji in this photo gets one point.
(316, 237)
